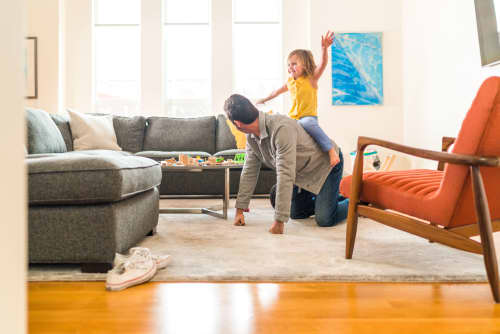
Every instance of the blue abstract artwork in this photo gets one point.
(357, 76)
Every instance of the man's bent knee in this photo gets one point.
(323, 221)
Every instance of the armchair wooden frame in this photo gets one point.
(458, 237)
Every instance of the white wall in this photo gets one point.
(43, 22)
(345, 123)
(442, 69)
(12, 171)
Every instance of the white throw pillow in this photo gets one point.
(92, 132)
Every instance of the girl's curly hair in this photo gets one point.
(307, 59)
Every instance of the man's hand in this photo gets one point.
(327, 40)
(239, 218)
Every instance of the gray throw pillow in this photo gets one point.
(43, 134)
(62, 122)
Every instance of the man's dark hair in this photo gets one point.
(239, 108)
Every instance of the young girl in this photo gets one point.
(303, 86)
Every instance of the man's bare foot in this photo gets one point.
(334, 158)
(239, 218)
(277, 228)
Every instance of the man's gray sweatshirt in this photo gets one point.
(286, 147)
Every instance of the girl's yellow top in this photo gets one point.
(304, 97)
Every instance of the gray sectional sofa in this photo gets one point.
(84, 206)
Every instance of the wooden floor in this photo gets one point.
(194, 308)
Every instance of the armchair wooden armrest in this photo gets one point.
(461, 159)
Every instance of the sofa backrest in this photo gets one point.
(137, 133)
(130, 132)
(180, 134)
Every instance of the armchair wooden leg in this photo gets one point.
(352, 214)
(432, 224)
(352, 227)
(485, 231)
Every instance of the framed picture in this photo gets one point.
(31, 68)
(357, 71)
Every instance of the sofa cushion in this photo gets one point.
(43, 134)
(180, 134)
(161, 155)
(82, 177)
(130, 132)
(92, 132)
(224, 139)
(62, 122)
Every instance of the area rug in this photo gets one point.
(205, 248)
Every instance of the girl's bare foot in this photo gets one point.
(334, 158)
(277, 228)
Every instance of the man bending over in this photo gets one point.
(306, 184)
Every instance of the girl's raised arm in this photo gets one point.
(326, 41)
(275, 93)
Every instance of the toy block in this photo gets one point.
(239, 158)
(184, 159)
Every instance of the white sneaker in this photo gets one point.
(137, 269)
(162, 261)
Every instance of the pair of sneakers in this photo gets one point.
(136, 267)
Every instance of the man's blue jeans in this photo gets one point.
(328, 206)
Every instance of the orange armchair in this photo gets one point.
(447, 206)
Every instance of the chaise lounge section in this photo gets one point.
(85, 206)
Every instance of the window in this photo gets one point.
(183, 58)
(187, 58)
(117, 56)
(257, 58)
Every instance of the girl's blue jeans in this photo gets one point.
(311, 125)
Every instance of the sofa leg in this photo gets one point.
(152, 232)
(96, 267)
